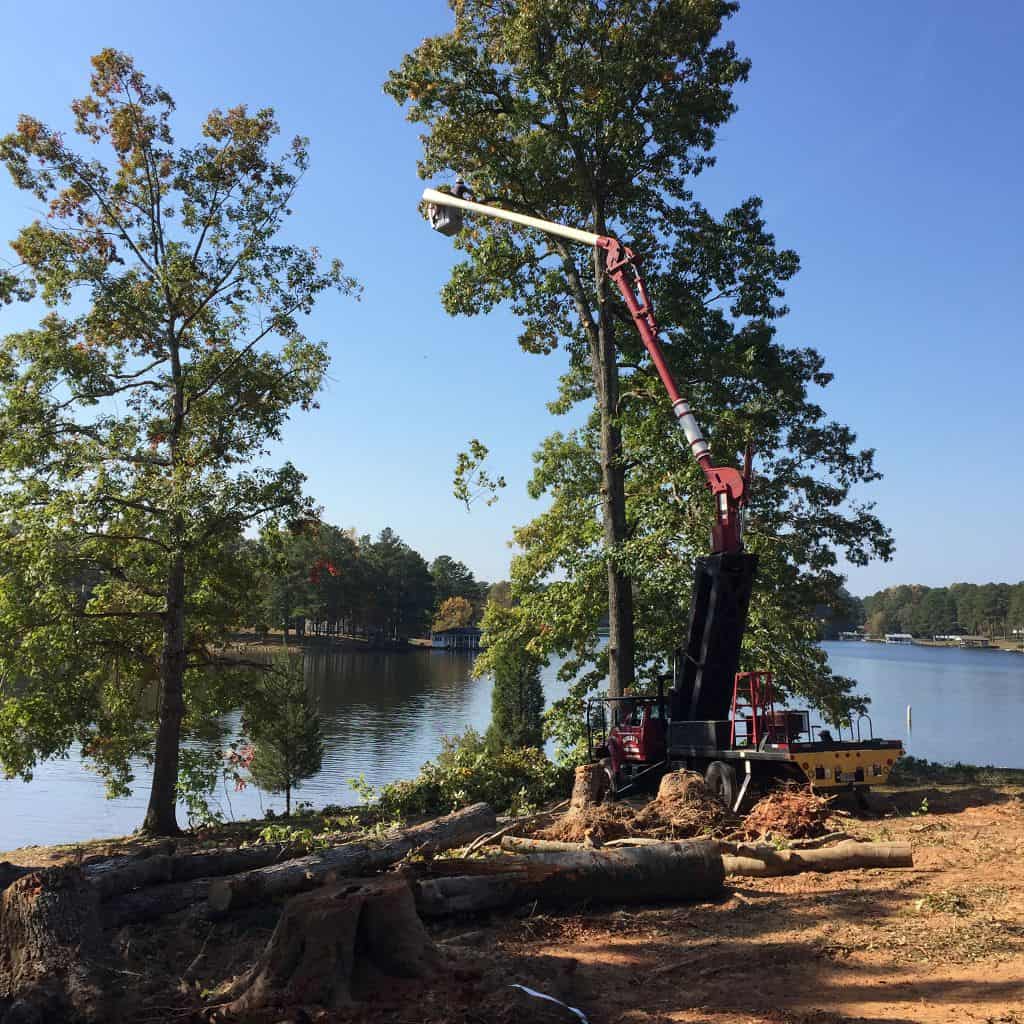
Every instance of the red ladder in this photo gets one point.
(753, 693)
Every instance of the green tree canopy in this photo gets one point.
(601, 114)
(593, 113)
(171, 351)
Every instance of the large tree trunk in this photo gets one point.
(227, 894)
(671, 871)
(613, 486)
(333, 946)
(50, 949)
(160, 815)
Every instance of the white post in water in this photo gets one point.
(910, 720)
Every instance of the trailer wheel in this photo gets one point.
(721, 780)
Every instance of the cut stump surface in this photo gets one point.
(333, 946)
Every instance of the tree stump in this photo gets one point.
(333, 945)
(51, 948)
(589, 787)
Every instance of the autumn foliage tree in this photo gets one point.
(170, 352)
(454, 613)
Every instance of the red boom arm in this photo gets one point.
(728, 486)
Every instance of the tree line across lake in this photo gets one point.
(979, 609)
(335, 581)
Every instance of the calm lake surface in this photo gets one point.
(385, 714)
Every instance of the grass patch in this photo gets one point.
(910, 771)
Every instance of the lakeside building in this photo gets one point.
(962, 640)
(461, 638)
(899, 638)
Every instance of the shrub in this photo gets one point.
(517, 701)
(466, 771)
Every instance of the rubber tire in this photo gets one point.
(721, 780)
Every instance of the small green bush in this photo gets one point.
(513, 781)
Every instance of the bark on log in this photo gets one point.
(155, 901)
(114, 879)
(670, 871)
(332, 945)
(517, 844)
(227, 894)
(767, 862)
(589, 787)
(51, 948)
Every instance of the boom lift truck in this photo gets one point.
(714, 719)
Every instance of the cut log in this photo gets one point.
(517, 844)
(155, 901)
(332, 946)
(589, 787)
(767, 862)
(51, 948)
(645, 874)
(456, 829)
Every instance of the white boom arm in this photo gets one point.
(431, 195)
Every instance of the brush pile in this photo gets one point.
(792, 812)
(683, 809)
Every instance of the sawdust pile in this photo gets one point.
(793, 812)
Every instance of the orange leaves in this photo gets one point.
(30, 128)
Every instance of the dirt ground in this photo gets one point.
(940, 942)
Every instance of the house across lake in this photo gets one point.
(460, 638)
(898, 638)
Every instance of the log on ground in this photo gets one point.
(767, 862)
(291, 876)
(519, 844)
(645, 874)
(332, 946)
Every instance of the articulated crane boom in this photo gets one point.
(719, 721)
(727, 485)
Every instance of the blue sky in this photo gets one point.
(884, 138)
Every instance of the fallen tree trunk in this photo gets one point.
(155, 901)
(670, 871)
(767, 862)
(331, 944)
(227, 894)
(517, 844)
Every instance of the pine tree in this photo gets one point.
(284, 727)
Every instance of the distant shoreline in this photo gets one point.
(1010, 646)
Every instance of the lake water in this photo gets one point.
(384, 715)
